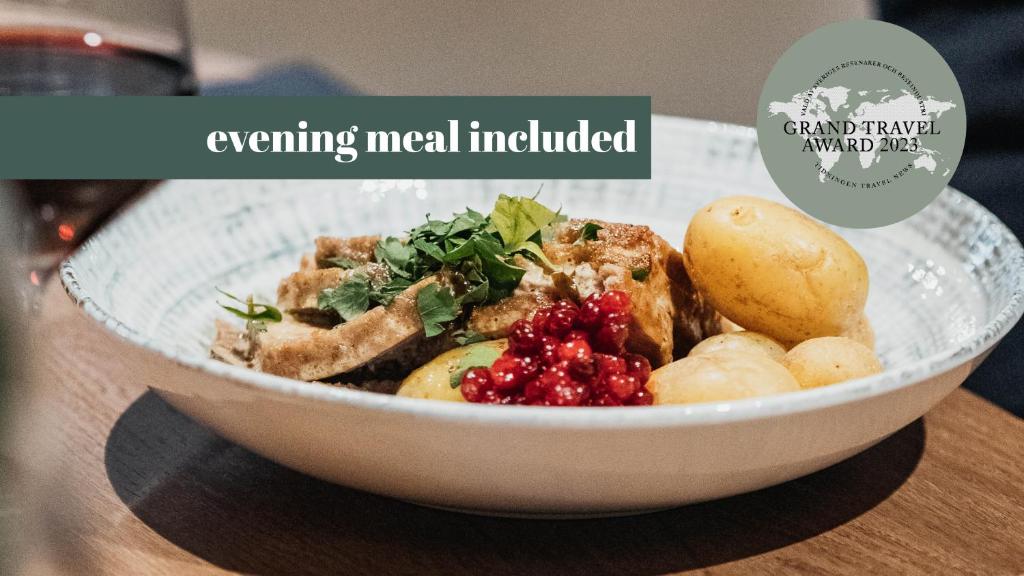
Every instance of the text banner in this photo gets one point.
(325, 137)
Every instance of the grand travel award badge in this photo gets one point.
(861, 123)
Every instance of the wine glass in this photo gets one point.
(60, 48)
(87, 48)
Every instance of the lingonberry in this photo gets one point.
(606, 399)
(576, 335)
(559, 323)
(534, 391)
(643, 397)
(610, 338)
(638, 366)
(567, 305)
(589, 317)
(608, 364)
(475, 382)
(554, 375)
(621, 385)
(568, 393)
(527, 368)
(574, 350)
(549, 350)
(567, 356)
(583, 370)
(504, 373)
(615, 301)
(540, 318)
(491, 397)
(522, 338)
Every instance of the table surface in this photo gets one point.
(153, 492)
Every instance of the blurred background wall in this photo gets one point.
(699, 58)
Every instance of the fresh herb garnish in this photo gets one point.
(254, 311)
(588, 232)
(472, 255)
(477, 357)
(385, 295)
(437, 306)
(640, 274)
(398, 255)
(466, 336)
(256, 316)
(350, 299)
(517, 219)
(340, 262)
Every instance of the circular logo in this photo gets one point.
(861, 123)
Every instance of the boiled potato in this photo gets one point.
(433, 379)
(724, 375)
(862, 332)
(774, 270)
(744, 341)
(823, 361)
(730, 326)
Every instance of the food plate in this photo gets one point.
(946, 286)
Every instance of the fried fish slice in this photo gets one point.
(307, 352)
(536, 290)
(356, 248)
(694, 319)
(299, 291)
(668, 314)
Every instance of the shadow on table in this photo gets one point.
(244, 513)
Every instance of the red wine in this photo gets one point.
(64, 61)
(61, 214)
(46, 61)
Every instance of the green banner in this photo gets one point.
(326, 137)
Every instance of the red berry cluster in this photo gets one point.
(567, 355)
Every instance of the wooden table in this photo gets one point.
(141, 489)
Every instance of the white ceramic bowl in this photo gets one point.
(947, 284)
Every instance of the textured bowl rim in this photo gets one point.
(595, 418)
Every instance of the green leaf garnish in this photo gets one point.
(588, 232)
(340, 262)
(517, 219)
(396, 254)
(385, 295)
(254, 311)
(436, 305)
(429, 249)
(476, 357)
(471, 253)
(640, 274)
(536, 253)
(466, 337)
(350, 299)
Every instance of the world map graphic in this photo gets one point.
(865, 110)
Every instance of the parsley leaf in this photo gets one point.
(640, 274)
(475, 357)
(340, 262)
(385, 295)
(503, 277)
(254, 311)
(467, 336)
(588, 232)
(468, 220)
(436, 305)
(472, 253)
(350, 299)
(429, 249)
(536, 253)
(396, 254)
(518, 219)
